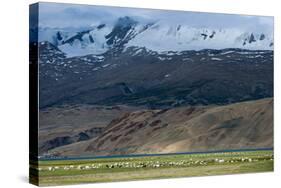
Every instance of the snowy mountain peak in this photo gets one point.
(156, 36)
(125, 21)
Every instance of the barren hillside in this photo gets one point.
(183, 129)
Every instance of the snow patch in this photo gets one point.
(106, 65)
(216, 59)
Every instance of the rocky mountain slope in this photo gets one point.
(139, 77)
(183, 129)
(70, 124)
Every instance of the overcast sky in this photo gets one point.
(71, 15)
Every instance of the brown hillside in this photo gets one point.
(183, 129)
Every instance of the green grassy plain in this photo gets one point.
(61, 172)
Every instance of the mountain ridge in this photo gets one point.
(156, 36)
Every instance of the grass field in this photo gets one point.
(60, 172)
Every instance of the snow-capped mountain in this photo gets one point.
(162, 37)
(156, 36)
(167, 64)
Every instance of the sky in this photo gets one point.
(60, 15)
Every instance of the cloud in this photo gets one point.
(269, 21)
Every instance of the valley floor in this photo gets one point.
(60, 172)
